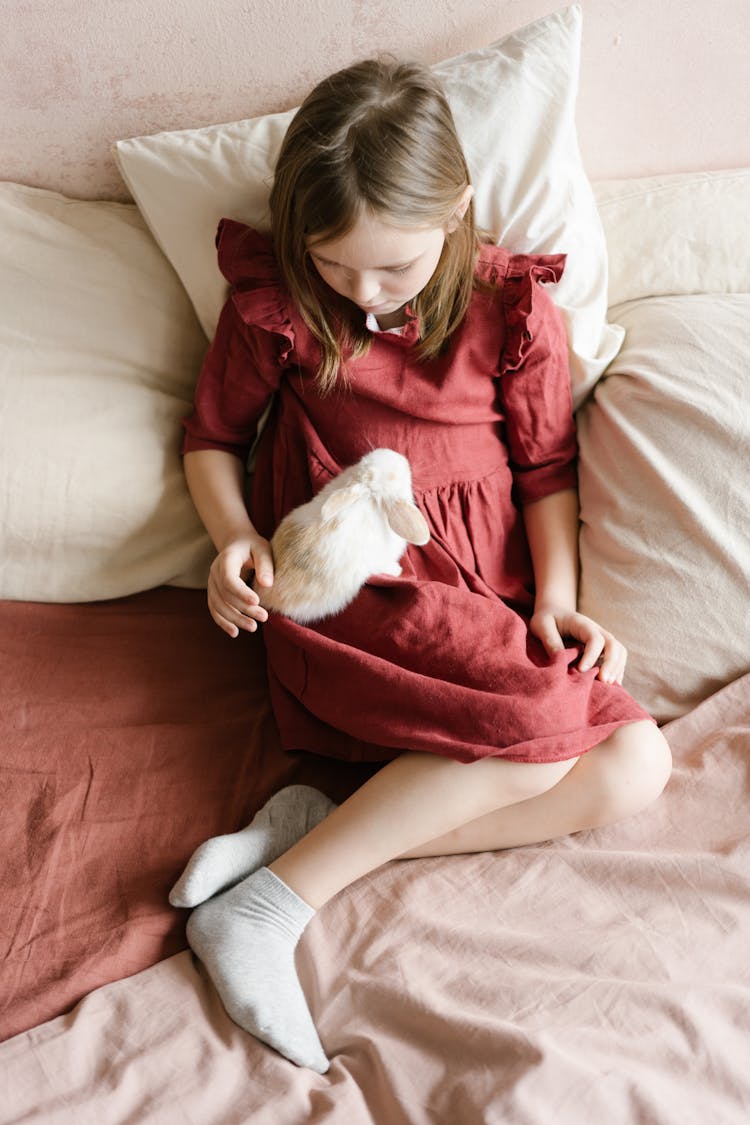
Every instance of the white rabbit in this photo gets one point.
(357, 525)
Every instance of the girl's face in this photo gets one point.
(379, 267)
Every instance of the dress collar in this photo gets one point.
(408, 331)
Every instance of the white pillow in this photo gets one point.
(99, 350)
(514, 104)
(665, 498)
(684, 233)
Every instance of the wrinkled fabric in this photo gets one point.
(131, 731)
(439, 659)
(603, 977)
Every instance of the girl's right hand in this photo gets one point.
(231, 602)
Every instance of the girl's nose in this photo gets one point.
(365, 288)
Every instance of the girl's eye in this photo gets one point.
(400, 269)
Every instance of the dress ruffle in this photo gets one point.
(247, 261)
(524, 311)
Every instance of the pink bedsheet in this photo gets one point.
(598, 980)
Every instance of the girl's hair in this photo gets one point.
(377, 137)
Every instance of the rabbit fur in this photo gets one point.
(357, 525)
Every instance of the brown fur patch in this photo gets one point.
(297, 575)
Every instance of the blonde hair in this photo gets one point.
(377, 137)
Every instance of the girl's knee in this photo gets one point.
(635, 765)
(647, 750)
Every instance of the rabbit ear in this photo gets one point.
(407, 521)
(341, 499)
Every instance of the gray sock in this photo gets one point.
(223, 860)
(246, 939)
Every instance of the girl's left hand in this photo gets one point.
(550, 624)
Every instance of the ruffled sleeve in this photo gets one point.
(252, 346)
(535, 381)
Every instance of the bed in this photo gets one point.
(599, 978)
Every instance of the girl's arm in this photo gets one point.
(216, 480)
(552, 533)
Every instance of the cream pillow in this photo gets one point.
(684, 233)
(514, 104)
(99, 352)
(665, 498)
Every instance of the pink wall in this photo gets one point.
(664, 87)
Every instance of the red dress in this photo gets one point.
(440, 659)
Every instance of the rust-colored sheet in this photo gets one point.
(130, 731)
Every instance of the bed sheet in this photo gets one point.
(131, 730)
(603, 977)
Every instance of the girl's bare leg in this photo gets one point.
(417, 805)
(615, 780)
(414, 799)
(422, 805)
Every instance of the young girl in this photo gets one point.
(378, 318)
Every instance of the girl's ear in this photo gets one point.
(460, 210)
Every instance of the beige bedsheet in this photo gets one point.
(598, 980)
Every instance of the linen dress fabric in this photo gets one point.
(439, 659)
